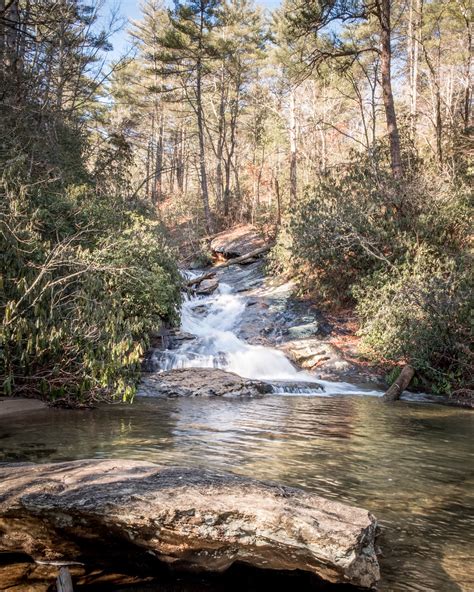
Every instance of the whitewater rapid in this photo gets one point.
(214, 320)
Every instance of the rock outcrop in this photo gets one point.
(237, 241)
(207, 286)
(200, 382)
(191, 519)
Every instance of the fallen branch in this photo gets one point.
(397, 388)
(235, 261)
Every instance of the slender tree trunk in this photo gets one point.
(159, 161)
(278, 198)
(180, 163)
(414, 30)
(147, 171)
(383, 14)
(220, 144)
(201, 132)
(2, 32)
(293, 148)
(466, 112)
(235, 105)
(152, 164)
(439, 125)
(434, 80)
(11, 14)
(202, 152)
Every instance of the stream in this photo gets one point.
(410, 463)
(214, 320)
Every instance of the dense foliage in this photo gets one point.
(85, 274)
(399, 252)
(221, 115)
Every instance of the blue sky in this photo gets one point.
(130, 9)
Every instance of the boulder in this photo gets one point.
(312, 353)
(207, 286)
(190, 518)
(237, 242)
(11, 406)
(201, 382)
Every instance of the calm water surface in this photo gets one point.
(410, 464)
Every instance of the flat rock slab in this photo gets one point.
(237, 241)
(193, 519)
(10, 406)
(201, 382)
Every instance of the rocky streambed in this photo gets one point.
(251, 326)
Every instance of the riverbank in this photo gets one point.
(11, 406)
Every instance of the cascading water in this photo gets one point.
(213, 320)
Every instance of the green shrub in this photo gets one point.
(351, 223)
(420, 312)
(76, 311)
(399, 251)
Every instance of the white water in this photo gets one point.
(213, 320)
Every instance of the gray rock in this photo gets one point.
(237, 241)
(303, 331)
(190, 518)
(312, 353)
(207, 286)
(201, 382)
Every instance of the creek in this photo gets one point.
(410, 463)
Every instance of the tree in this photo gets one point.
(187, 49)
(318, 23)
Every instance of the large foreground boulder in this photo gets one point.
(200, 382)
(194, 519)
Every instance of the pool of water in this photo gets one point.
(411, 464)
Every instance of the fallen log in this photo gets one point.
(397, 388)
(191, 518)
(228, 263)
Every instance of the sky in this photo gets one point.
(130, 9)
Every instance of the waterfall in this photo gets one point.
(214, 320)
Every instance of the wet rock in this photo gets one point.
(190, 518)
(11, 406)
(201, 382)
(207, 286)
(303, 331)
(312, 353)
(201, 309)
(177, 338)
(296, 387)
(237, 241)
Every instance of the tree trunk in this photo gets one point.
(11, 16)
(383, 14)
(220, 143)
(159, 162)
(293, 148)
(278, 199)
(397, 388)
(231, 148)
(201, 131)
(414, 29)
(180, 159)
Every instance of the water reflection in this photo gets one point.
(411, 464)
